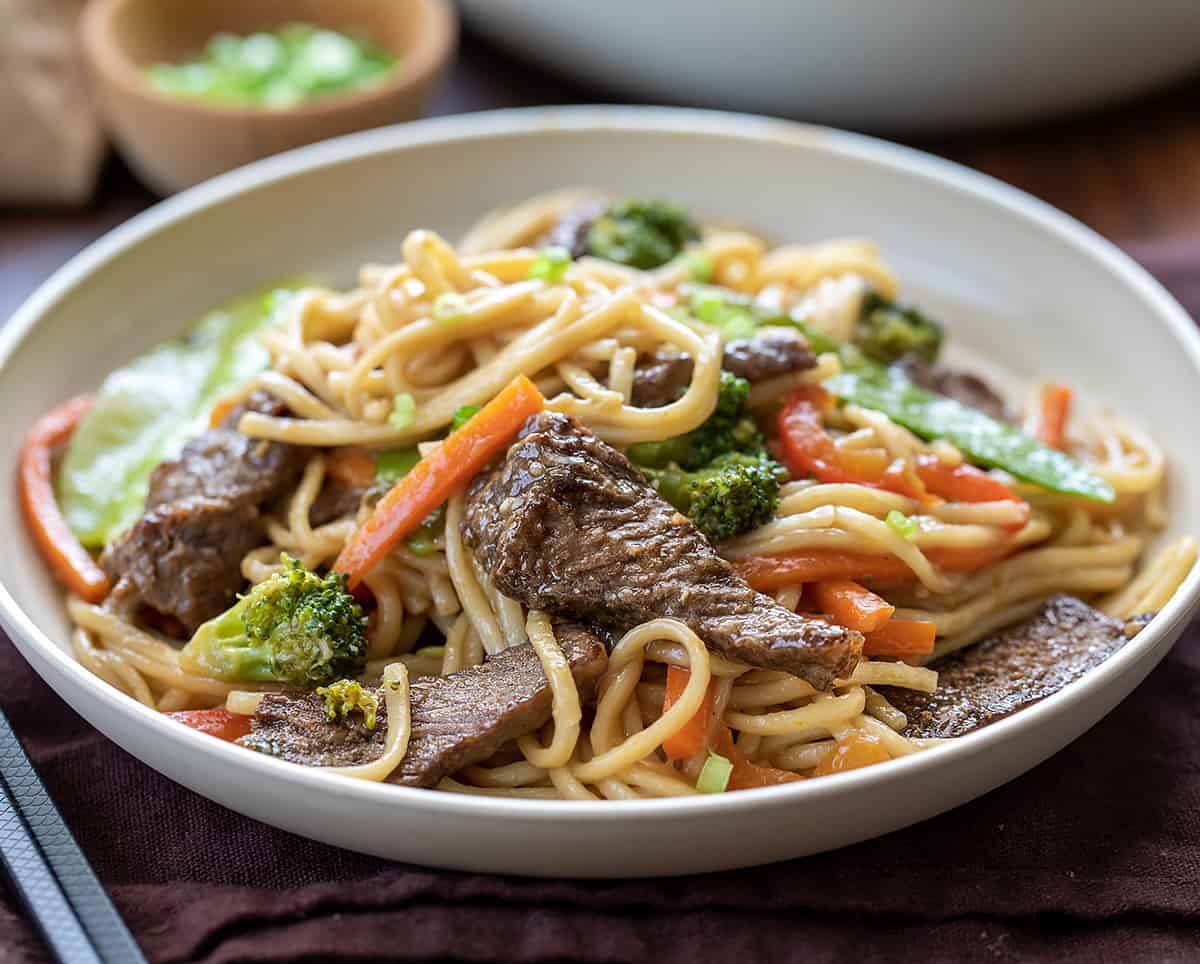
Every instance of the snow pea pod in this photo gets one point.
(981, 438)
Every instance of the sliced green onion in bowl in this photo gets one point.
(463, 414)
(391, 465)
(708, 306)
(902, 524)
(699, 266)
(714, 775)
(449, 306)
(550, 265)
(422, 542)
(713, 308)
(404, 412)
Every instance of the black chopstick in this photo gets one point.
(49, 872)
(38, 889)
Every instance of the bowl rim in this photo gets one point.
(614, 121)
(417, 66)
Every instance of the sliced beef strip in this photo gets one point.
(336, 499)
(457, 720)
(962, 386)
(1011, 670)
(182, 558)
(771, 352)
(662, 380)
(567, 524)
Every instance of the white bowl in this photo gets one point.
(1016, 280)
(895, 65)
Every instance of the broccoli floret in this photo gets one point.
(725, 430)
(731, 495)
(886, 331)
(348, 696)
(295, 627)
(640, 233)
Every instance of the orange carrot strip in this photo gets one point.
(71, 563)
(1056, 409)
(438, 476)
(851, 605)
(854, 751)
(218, 722)
(351, 465)
(767, 573)
(902, 638)
(693, 737)
(747, 775)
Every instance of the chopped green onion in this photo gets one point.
(700, 267)
(404, 412)
(463, 414)
(295, 63)
(708, 305)
(449, 306)
(392, 465)
(423, 542)
(713, 308)
(905, 525)
(550, 265)
(714, 775)
(432, 652)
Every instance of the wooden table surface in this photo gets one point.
(1131, 171)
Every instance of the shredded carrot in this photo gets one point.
(902, 638)
(692, 738)
(438, 476)
(767, 573)
(218, 722)
(747, 775)
(856, 750)
(851, 605)
(71, 563)
(1056, 409)
(351, 465)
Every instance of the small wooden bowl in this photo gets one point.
(173, 142)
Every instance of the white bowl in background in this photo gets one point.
(1017, 282)
(899, 65)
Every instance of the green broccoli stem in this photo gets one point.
(221, 649)
(295, 627)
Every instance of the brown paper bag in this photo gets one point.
(50, 140)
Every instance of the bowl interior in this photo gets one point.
(152, 31)
(1026, 300)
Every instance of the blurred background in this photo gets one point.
(108, 105)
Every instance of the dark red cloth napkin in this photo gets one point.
(1095, 855)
